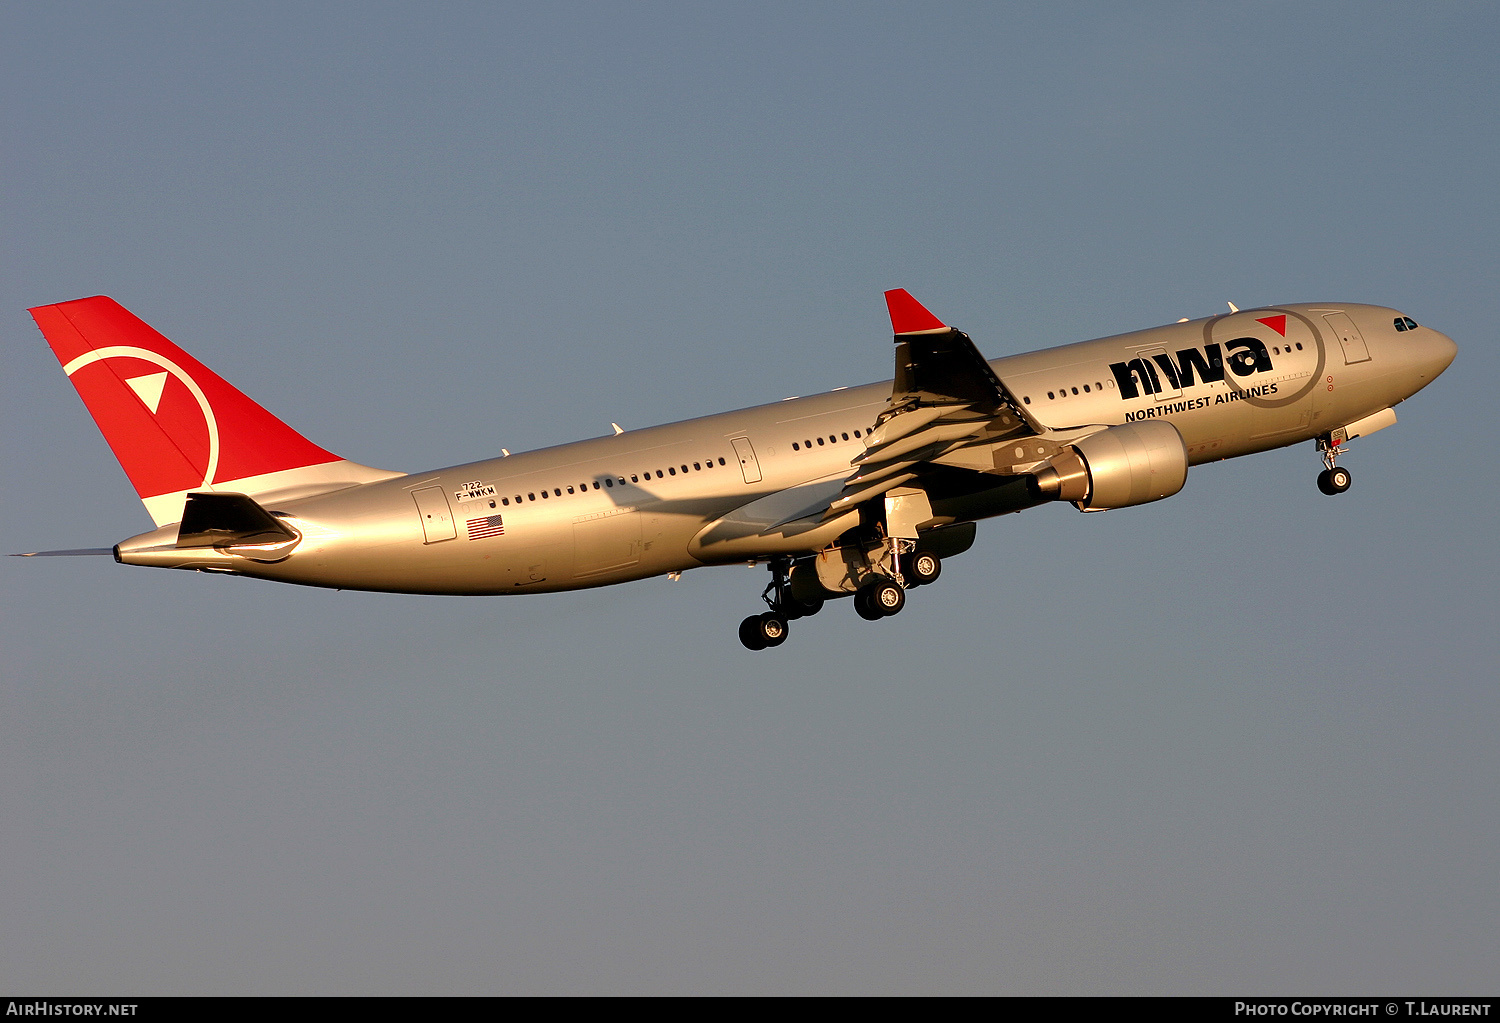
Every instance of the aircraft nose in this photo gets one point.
(1441, 351)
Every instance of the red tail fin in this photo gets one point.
(174, 424)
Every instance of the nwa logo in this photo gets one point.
(1247, 356)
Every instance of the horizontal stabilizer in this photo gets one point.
(228, 520)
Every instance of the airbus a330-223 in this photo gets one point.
(862, 492)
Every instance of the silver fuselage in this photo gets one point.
(703, 491)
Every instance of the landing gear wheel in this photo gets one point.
(1334, 481)
(921, 568)
(773, 630)
(802, 608)
(887, 598)
(864, 608)
(879, 599)
(750, 634)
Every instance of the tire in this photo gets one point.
(887, 598)
(1339, 479)
(750, 634)
(773, 630)
(864, 607)
(1324, 482)
(921, 568)
(807, 608)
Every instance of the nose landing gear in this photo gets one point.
(1333, 479)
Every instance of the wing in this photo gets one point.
(950, 425)
(947, 408)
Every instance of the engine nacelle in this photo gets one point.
(1118, 467)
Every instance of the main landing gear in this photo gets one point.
(770, 629)
(1333, 479)
(880, 596)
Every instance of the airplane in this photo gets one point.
(861, 492)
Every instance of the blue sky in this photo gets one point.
(1240, 740)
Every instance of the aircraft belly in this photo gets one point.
(785, 521)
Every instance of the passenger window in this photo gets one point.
(807, 443)
(697, 467)
(796, 446)
(1085, 388)
(557, 491)
(608, 483)
(658, 474)
(832, 439)
(531, 496)
(721, 461)
(1027, 399)
(820, 442)
(570, 490)
(684, 470)
(633, 478)
(503, 500)
(856, 433)
(845, 436)
(1299, 346)
(1075, 390)
(1050, 396)
(545, 495)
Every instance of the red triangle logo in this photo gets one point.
(1276, 323)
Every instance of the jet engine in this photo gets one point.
(1118, 467)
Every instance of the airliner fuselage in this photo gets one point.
(806, 480)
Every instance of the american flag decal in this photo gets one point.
(488, 526)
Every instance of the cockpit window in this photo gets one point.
(1405, 323)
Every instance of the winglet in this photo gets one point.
(908, 316)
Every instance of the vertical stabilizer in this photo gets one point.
(174, 424)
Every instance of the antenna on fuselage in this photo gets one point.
(618, 429)
(1233, 308)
